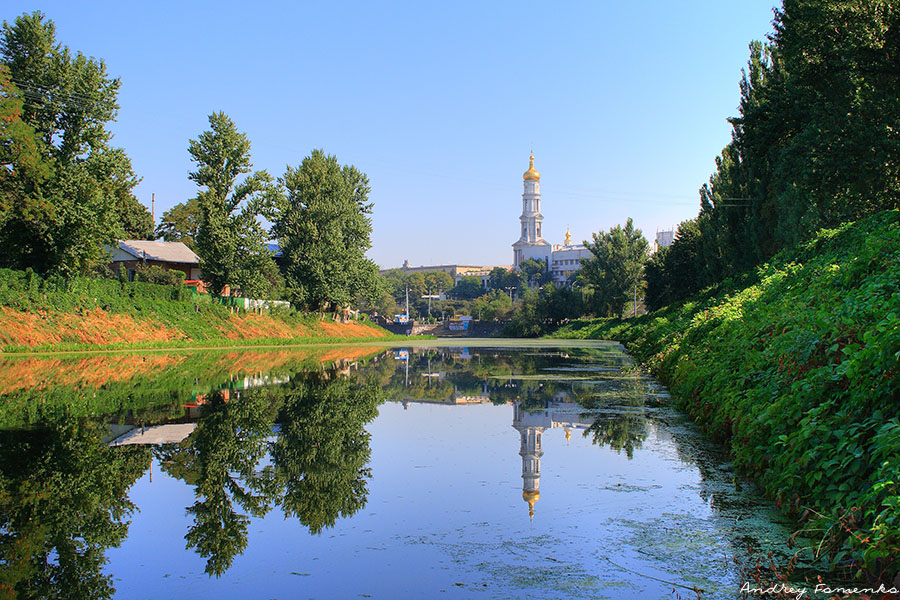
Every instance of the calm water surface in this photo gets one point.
(505, 470)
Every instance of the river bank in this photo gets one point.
(797, 369)
(45, 314)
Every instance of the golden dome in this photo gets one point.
(531, 173)
(568, 243)
(531, 498)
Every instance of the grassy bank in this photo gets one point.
(797, 368)
(39, 313)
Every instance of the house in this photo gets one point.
(171, 256)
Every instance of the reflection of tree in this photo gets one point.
(619, 431)
(322, 452)
(62, 504)
(621, 423)
(220, 459)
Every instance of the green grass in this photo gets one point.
(797, 368)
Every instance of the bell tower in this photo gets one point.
(530, 243)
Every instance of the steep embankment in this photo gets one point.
(38, 313)
(799, 370)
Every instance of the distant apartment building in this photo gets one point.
(664, 239)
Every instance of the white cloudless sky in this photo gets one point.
(625, 104)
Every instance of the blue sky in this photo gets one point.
(625, 104)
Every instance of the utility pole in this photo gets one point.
(153, 208)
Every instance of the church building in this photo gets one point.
(562, 259)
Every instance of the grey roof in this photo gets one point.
(174, 252)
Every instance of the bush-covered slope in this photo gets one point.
(83, 312)
(799, 371)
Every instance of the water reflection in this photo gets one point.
(322, 452)
(219, 459)
(312, 428)
(63, 502)
(286, 435)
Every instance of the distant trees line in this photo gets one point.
(66, 194)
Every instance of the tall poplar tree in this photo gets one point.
(231, 240)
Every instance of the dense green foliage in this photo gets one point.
(614, 272)
(156, 274)
(180, 223)
(66, 192)
(798, 367)
(507, 280)
(468, 288)
(544, 309)
(323, 228)
(231, 241)
(535, 272)
(814, 145)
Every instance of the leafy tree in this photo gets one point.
(158, 275)
(436, 281)
(536, 272)
(502, 279)
(63, 180)
(526, 320)
(22, 168)
(814, 143)
(323, 228)
(497, 276)
(615, 268)
(231, 241)
(416, 284)
(181, 223)
(657, 279)
(117, 181)
(492, 307)
(468, 288)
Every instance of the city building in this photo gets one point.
(663, 239)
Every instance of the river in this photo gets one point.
(500, 469)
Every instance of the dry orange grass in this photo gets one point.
(100, 328)
(18, 328)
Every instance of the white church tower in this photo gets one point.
(531, 244)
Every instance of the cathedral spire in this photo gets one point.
(531, 173)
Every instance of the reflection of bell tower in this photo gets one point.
(530, 451)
